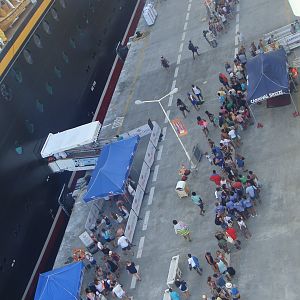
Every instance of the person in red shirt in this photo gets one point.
(224, 80)
(216, 178)
(237, 185)
(203, 123)
(231, 234)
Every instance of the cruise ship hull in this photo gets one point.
(50, 87)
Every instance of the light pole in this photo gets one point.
(175, 90)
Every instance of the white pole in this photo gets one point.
(183, 147)
(293, 102)
(252, 113)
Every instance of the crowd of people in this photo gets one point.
(237, 189)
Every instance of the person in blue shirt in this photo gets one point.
(174, 295)
(248, 205)
(194, 263)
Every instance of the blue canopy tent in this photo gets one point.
(60, 284)
(112, 169)
(267, 76)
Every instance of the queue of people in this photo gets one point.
(237, 189)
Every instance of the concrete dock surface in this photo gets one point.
(267, 266)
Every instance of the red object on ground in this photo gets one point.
(231, 232)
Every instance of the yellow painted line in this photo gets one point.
(23, 36)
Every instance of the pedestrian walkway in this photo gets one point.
(270, 151)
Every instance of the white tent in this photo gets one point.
(71, 138)
(295, 5)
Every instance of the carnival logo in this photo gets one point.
(266, 96)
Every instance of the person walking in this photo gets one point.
(193, 48)
(131, 268)
(182, 229)
(203, 124)
(198, 93)
(182, 285)
(173, 295)
(164, 62)
(194, 264)
(196, 199)
(182, 107)
(224, 80)
(195, 102)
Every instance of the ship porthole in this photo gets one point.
(46, 27)
(54, 14)
(27, 56)
(37, 41)
(57, 72)
(63, 3)
(17, 75)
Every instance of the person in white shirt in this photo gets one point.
(233, 136)
(197, 92)
(243, 227)
(124, 244)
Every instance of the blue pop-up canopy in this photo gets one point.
(112, 169)
(267, 76)
(60, 284)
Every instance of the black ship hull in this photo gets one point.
(48, 89)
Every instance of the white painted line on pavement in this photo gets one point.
(238, 8)
(133, 281)
(155, 173)
(237, 18)
(187, 16)
(160, 152)
(170, 100)
(168, 114)
(176, 72)
(236, 50)
(185, 26)
(178, 59)
(146, 220)
(181, 47)
(237, 28)
(183, 36)
(236, 40)
(164, 132)
(189, 6)
(173, 85)
(140, 248)
(151, 194)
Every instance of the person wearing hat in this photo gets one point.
(233, 291)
